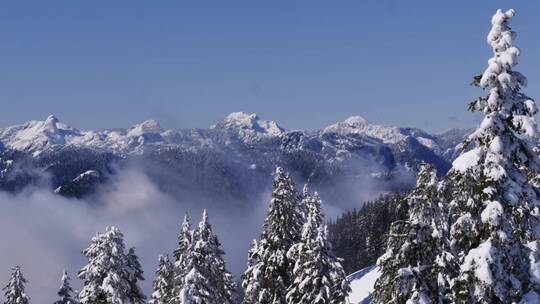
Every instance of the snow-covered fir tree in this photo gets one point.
(65, 293)
(417, 256)
(318, 277)
(269, 272)
(180, 254)
(495, 206)
(14, 291)
(251, 282)
(196, 287)
(135, 274)
(303, 206)
(207, 279)
(111, 275)
(163, 285)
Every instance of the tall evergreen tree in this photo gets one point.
(135, 274)
(184, 239)
(318, 277)
(252, 281)
(111, 275)
(494, 215)
(164, 282)
(207, 279)
(14, 290)
(65, 292)
(181, 253)
(270, 270)
(304, 203)
(410, 270)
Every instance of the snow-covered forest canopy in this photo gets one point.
(468, 232)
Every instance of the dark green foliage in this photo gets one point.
(359, 236)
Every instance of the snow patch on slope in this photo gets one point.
(362, 283)
(87, 174)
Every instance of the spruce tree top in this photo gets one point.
(14, 291)
(111, 275)
(65, 292)
(163, 284)
(184, 238)
(423, 199)
(502, 158)
(283, 218)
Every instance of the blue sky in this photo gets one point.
(305, 64)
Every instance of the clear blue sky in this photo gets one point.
(305, 64)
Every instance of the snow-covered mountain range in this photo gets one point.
(234, 157)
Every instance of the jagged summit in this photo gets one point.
(51, 121)
(147, 126)
(36, 135)
(356, 120)
(250, 122)
(241, 117)
(246, 127)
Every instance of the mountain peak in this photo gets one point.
(37, 135)
(242, 118)
(356, 120)
(50, 124)
(52, 118)
(147, 126)
(250, 124)
(150, 124)
(359, 125)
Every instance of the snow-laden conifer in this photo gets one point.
(495, 207)
(252, 281)
(269, 274)
(195, 289)
(207, 279)
(413, 269)
(135, 274)
(181, 253)
(111, 275)
(184, 239)
(14, 291)
(318, 277)
(163, 285)
(65, 293)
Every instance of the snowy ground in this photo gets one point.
(362, 283)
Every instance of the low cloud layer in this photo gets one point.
(45, 233)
